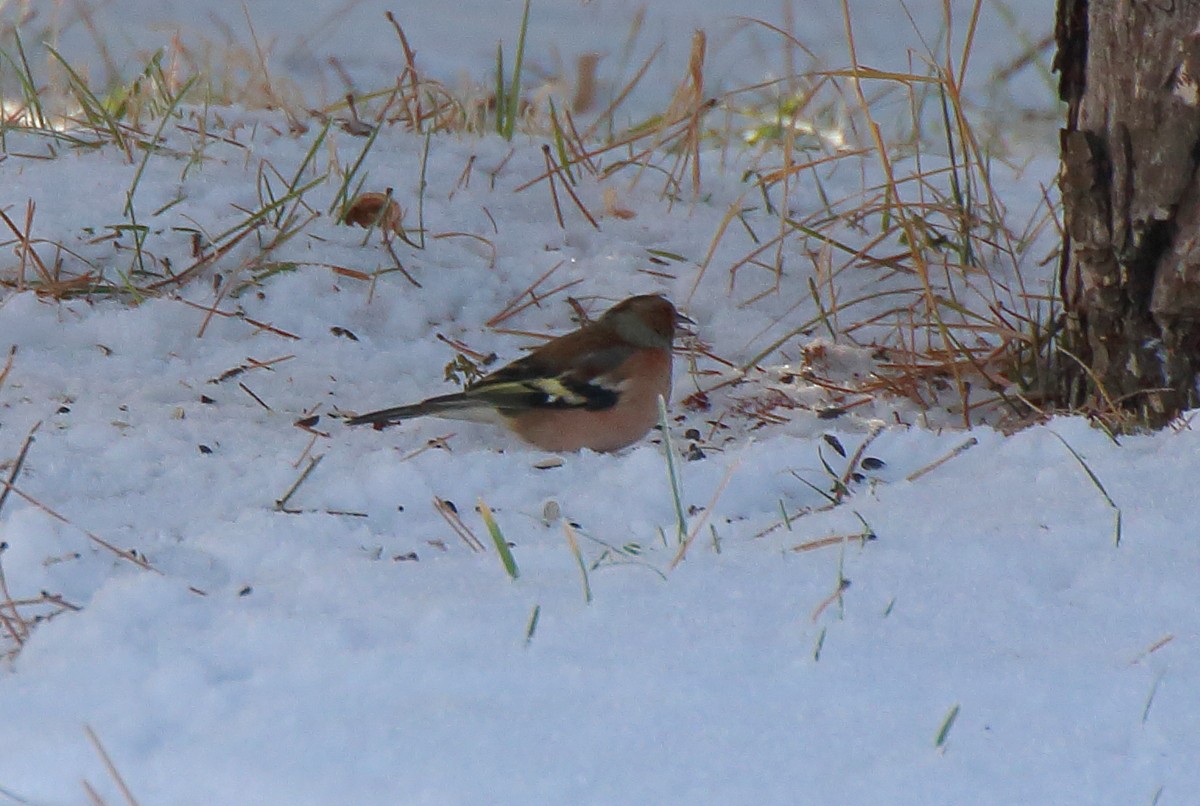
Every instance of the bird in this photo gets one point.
(596, 387)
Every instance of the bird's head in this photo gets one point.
(646, 321)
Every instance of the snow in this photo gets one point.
(353, 649)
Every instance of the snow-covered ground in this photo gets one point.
(992, 644)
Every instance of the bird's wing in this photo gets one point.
(539, 381)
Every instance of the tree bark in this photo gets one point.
(1130, 279)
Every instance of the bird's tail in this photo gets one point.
(456, 407)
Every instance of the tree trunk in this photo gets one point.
(1130, 281)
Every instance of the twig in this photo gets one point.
(55, 599)
(830, 599)
(567, 187)
(195, 268)
(1157, 645)
(464, 179)
(9, 486)
(387, 242)
(450, 513)
(832, 540)
(12, 351)
(257, 399)
(314, 435)
(537, 300)
(15, 798)
(460, 346)
(442, 442)
(27, 250)
(552, 173)
(281, 503)
(699, 524)
(16, 626)
(93, 796)
(95, 538)
(916, 474)
(210, 310)
(251, 363)
(16, 468)
(514, 305)
(112, 768)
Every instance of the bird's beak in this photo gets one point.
(681, 322)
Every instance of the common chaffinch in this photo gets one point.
(595, 388)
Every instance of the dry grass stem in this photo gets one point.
(282, 502)
(934, 465)
(832, 540)
(449, 513)
(703, 519)
(130, 800)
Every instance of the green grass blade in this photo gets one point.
(308, 159)
(560, 144)
(944, 731)
(531, 627)
(28, 84)
(506, 556)
(95, 110)
(578, 555)
(513, 96)
(501, 103)
(150, 146)
(1099, 486)
(342, 198)
(672, 471)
